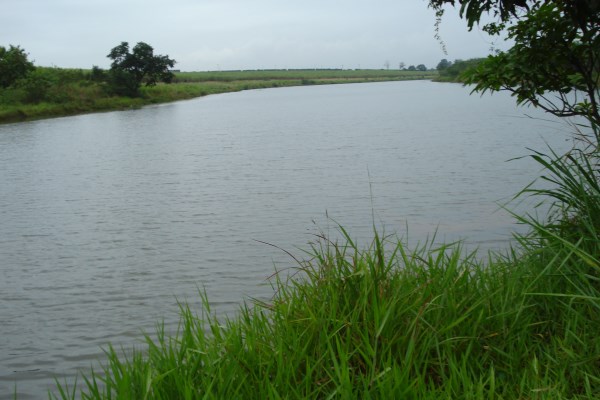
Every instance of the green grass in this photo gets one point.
(384, 321)
(59, 92)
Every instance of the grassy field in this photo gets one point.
(59, 92)
(304, 75)
(388, 322)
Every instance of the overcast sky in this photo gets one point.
(239, 34)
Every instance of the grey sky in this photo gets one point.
(239, 34)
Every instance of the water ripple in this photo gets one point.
(109, 219)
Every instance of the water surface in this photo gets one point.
(108, 219)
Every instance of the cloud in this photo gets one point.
(236, 34)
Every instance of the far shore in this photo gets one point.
(79, 95)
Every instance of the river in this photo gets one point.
(109, 219)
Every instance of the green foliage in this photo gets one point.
(123, 83)
(455, 72)
(97, 74)
(44, 84)
(551, 60)
(472, 10)
(443, 64)
(130, 69)
(574, 194)
(554, 63)
(36, 86)
(421, 67)
(14, 65)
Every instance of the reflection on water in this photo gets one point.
(109, 219)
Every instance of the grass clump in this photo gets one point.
(388, 322)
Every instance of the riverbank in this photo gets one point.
(389, 322)
(71, 92)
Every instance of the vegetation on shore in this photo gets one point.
(456, 71)
(53, 92)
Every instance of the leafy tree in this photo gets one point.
(443, 64)
(14, 65)
(130, 69)
(97, 74)
(554, 62)
(456, 70)
(412, 68)
(421, 67)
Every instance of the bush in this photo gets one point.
(14, 65)
(454, 72)
(36, 86)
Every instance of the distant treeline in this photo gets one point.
(302, 74)
(50, 92)
(139, 77)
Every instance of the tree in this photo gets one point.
(130, 69)
(455, 71)
(443, 64)
(97, 74)
(14, 65)
(554, 63)
(421, 67)
(401, 66)
(412, 68)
